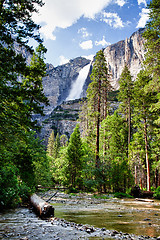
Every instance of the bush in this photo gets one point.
(9, 186)
(72, 190)
(97, 196)
(13, 191)
(90, 185)
(24, 192)
(122, 195)
(157, 193)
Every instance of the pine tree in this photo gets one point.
(125, 96)
(74, 157)
(97, 97)
(63, 140)
(115, 167)
(152, 63)
(57, 145)
(19, 100)
(152, 36)
(50, 145)
(142, 116)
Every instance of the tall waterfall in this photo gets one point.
(77, 86)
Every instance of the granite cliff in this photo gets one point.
(130, 51)
(60, 81)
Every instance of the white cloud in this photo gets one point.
(63, 60)
(64, 13)
(84, 32)
(144, 16)
(86, 45)
(142, 1)
(120, 2)
(102, 42)
(112, 19)
(90, 57)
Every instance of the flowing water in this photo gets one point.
(128, 216)
(77, 86)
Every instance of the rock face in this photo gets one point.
(63, 119)
(58, 82)
(130, 51)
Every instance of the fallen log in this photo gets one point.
(144, 200)
(43, 208)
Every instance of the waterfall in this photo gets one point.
(77, 86)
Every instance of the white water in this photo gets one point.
(77, 86)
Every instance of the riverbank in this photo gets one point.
(102, 205)
(23, 224)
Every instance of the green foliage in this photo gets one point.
(23, 165)
(97, 196)
(50, 146)
(125, 96)
(63, 140)
(143, 122)
(152, 35)
(72, 191)
(126, 86)
(152, 59)
(58, 167)
(157, 193)
(74, 159)
(21, 85)
(13, 190)
(97, 102)
(122, 195)
(120, 175)
(65, 114)
(57, 146)
(114, 136)
(9, 186)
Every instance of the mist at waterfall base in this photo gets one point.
(77, 86)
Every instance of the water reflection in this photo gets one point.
(128, 217)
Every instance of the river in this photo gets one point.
(129, 216)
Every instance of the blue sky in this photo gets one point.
(73, 28)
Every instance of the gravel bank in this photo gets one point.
(23, 224)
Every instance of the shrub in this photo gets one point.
(24, 192)
(9, 186)
(122, 195)
(13, 191)
(157, 193)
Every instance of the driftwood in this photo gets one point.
(144, 200)
(43, 208)
(58, 188)
(52, 196)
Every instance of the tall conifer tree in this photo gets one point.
(125, 96)
(142, 116)
(97, 96)
(74, 158)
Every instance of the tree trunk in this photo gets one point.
(135, 178)
(129, 124)
(98, 123)
(42, 208)
(147, 160)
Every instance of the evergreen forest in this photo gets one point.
(108, 151)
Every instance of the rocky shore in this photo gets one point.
(23, 224)
(80, 231)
